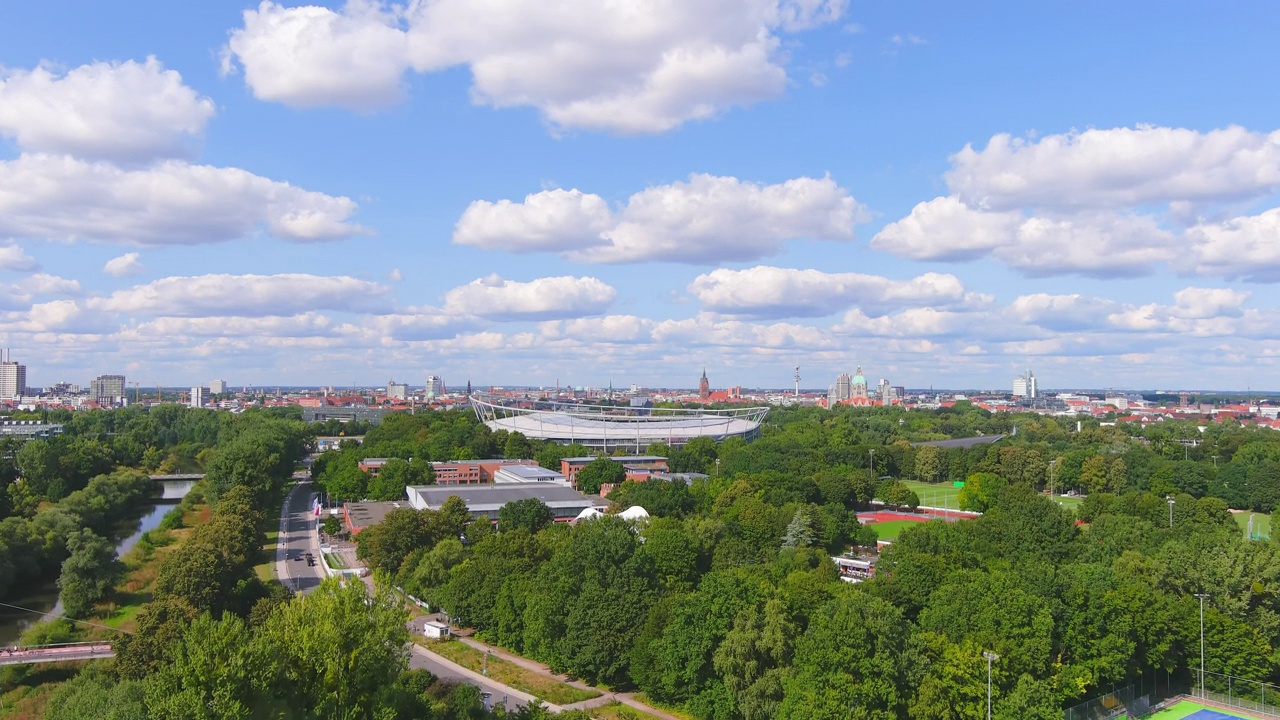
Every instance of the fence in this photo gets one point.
(1251, 695)
(1134, 700)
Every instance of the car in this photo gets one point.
(297, 557)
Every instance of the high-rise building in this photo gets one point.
(107, 389)
(1024, 386)
(435, 386)
(13, 379)
(704, 386)
(197, 397)
(397, 391)
(842, 390)
(218, 387)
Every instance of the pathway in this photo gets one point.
(605, 698)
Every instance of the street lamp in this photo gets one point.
(1202, 596)
(1170, 500)
(1052, 463)
(873, 463)
(989, 656)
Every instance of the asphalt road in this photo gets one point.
(297, 538)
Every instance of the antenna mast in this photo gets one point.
(797, 381)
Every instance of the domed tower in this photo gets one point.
(859, 384)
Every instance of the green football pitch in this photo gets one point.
(946, 495)
(890, 529)
(1261, 523)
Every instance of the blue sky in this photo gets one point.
(519, 193)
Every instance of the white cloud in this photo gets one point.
(1247, 248)
(124, 265)
(1061, 313)
(706, 220)
(13, 257)
(308, 324)
(707, 331)
(607, 329)
(1119, 167)
(783, 292)
(547, 298)
(169, 203)
(622, 67)
(1099, 244)
(126, 111)
(551, 220)
(1199, 303)
(244, 296)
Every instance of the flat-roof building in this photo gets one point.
(486, 500)
(511, 474)
(639, 467)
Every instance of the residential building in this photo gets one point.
(107, 389)
(13, 380)
(197, 397)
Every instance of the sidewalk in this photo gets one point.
(534, 666)
(479, 679)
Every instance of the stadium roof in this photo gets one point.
(609, 427)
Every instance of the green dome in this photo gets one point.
(859, 380)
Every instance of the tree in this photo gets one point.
(93, 694)
(332, 654)
(755, 657)
(800, 531)
(332, 525)
(385, 546)
(517, 447)
(1093, 474)
(393, 477)
(928, 463)
(530, 515)
(212, 674)
(598, 472)
(980, 491)
(88, 573)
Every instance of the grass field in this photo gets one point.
(1261, 523)
(889, 529)
(946, 495)
(553, 691)
(618, 711)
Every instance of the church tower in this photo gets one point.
(704, 386)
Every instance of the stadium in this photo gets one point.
(612, 428)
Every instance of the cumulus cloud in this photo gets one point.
(1104, 203)
(549, 298)
(1099, 244)
(707, 220)
(127, 111)
(705, 330)
(245, 296)
(13, 257)
(1246, 248)
(124, 265)
(169, 203)
(1118, 167)
(783, 292)
(607, 329)
(619, 67)
(552, 220)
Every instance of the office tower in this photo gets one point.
(1025, 386)
(197, 397)
(435, 386)
(397, 391)
(13, 379)
(107, 389)
(218, 387)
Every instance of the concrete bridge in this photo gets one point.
(60, 652)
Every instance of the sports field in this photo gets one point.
(1261, 523)
(890, 529)
(1187, 710)
(946, 495)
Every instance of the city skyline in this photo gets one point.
(945, 199)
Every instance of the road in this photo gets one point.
(297, 538)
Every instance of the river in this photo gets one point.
(44, 599)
